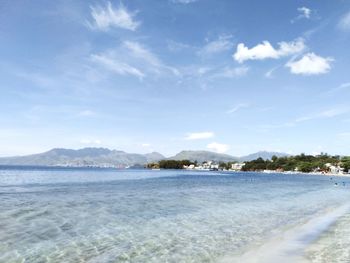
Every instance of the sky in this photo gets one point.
(228, 76)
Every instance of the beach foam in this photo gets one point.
(290, 246)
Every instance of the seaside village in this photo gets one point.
(213, 166)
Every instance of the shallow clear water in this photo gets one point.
(86, 215)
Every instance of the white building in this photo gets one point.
(237, 166)
(204, 166)
(334, 169)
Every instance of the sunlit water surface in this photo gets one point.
(86, 215)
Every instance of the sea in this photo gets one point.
(109, 215)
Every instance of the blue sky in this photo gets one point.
(167, 75)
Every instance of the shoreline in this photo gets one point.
(269, 172)
(59, 167)
(290, 245)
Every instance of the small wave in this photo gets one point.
(289, 247)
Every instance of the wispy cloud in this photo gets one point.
(326, 114)
(185, 2)
(203, 70)
(86, 113)
(218, 147)
(38, 79)
(310, 64)
(138, 51)
(231, 72)
(107, 17)
(268, 127)
(266, 51)
(269, 74)
(304, 13)
(344, 22)
(341, 87)
(133, 58)
(344, 135)
(237, 108)
(330, 113)
(344, 86)
(223, 43)
(90, 141)
(199, 135)
(177, 46)
(118, 67)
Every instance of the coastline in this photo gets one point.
(272, 172)
(62, 167)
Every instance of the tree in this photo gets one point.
(174, 164)
(345, 163)
(305, 167)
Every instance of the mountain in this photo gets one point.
(262, 154)
(202, 156)
(103, 157)
(154, 157)
(83, 157)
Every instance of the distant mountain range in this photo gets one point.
(262, 154)
(202, 156)
(103, 157)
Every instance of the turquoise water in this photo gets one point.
(86, 215)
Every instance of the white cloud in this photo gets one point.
(146, 145)
(116, 66)
(344, 22)
(108, 17)
(310, 64)
(183, 1)
(218, 147)
(304, 12)
(223, 43)
(199, 135)
(237, 108)
(265, 50)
